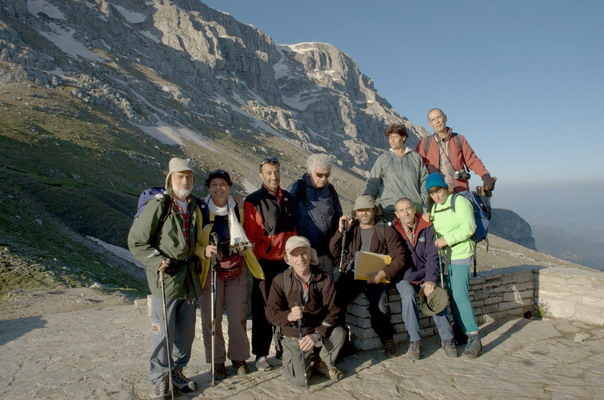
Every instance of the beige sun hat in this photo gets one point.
(295, 242)
(177, 165)
(363, 202)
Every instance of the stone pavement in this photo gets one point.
(102, 354)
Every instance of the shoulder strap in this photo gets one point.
(380, 231)
(457, 140)
(427, 143)
(301, 191)
(166, 205)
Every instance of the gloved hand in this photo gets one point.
(488, 183)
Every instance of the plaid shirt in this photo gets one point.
(185, 217)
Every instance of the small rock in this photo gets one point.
(580, 337)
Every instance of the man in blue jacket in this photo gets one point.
(318, 208)
(419, 238)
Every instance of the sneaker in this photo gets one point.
(390, 348)
(161, 390)
(262, 364)
(414, 351)
(449, 348)
(474, 346)
(182, 383)
(332, 373)
(241, 367)
(219, 371)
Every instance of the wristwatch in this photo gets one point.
(318, 335)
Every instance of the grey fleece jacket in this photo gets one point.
(393, 177)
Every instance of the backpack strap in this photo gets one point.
(166, 205)
(427, 143)
(380, 231)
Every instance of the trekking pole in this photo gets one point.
(440, 269)
(168, 344)
(344, 229)
(214, 240)
(302, 353)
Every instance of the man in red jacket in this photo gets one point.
(269, 220)
(450, 153)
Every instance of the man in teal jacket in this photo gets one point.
(169, 246)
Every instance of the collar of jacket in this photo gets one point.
(279, 194)
(421, 225)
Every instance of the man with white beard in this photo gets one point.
(163, 238)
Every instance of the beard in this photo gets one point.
(182, 193)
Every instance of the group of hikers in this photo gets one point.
(300, 249)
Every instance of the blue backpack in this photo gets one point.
(482, 213)
(148, 194)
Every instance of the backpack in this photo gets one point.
(482, 213)
(428, 142)
(156, 192)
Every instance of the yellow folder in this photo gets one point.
(366, 263)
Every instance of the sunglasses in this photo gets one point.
(271, 160)
(321, 176)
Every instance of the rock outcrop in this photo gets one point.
(509, 225)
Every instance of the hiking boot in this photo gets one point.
(332, 373)
(279, 354)
(182, 383)
(219, 371)
(390, 348)
(414, 351)
(474, 346)
(449, 348)
(262, 364)
(161, 390)
(241, 367)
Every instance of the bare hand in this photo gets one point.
(440, 243)
(211, 250)
(164, 264)
(426, 216)
(308, 342)
(377, 277)
(295, 314)
(238, 201)
(429, 288)
(344, 219)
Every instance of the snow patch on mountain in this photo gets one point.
(36, 7)
(64, 40)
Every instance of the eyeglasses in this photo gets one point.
(321, 176)
(271, 160)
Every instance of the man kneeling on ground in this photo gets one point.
(302, 303)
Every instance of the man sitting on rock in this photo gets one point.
(419, 237)
(302, 303)
(365, 234)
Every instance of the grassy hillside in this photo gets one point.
(70, 169)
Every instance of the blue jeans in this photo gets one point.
(181, 330)
(408, 292)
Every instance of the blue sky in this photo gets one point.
(522, 80)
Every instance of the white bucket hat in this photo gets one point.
(177, 165)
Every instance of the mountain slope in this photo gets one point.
(565, 245)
